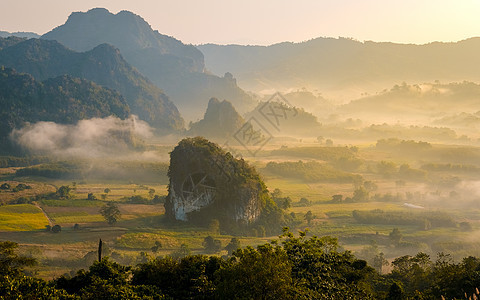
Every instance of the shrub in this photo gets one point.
(56, 229)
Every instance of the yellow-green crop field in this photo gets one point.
(21, 217)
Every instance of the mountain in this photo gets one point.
(103, 65)
(28, 35)
(62, 99)
(344, 65)
(177, 68)
(221, 120)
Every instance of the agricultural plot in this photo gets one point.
(21, 217)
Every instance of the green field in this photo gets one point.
(21, 217)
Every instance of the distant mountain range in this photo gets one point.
(103, 65)
(177, 68)
(63, 99)
(28, 35)
(343, 65)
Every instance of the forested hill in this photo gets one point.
(103, 65)
(175, 67)
(63, 99)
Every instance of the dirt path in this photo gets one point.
(50, 222)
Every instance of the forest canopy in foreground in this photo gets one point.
(290, 268)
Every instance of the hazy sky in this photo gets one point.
(268, 21)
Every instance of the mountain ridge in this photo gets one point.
(335, 64)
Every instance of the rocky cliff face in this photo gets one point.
(208, 183)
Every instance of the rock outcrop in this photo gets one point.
(208, 183)
(221, 120)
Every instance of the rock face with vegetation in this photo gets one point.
(208, 183)
(221, 120)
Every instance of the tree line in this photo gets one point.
(292, 267)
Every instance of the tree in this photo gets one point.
(158, 245)
(277, 193)
(395, 236)
(286, 203)
(386, 168)
(111, 213)
(360, 195)
(465, 226)
(214, 226)
(232, 246)
(304, 202)
(320, 139)
(184, 251)
(320, 271)
(262, 273)
(64, 192)
(309, 217)
(379, 261)
(56, 229)
(107, 190)
(211, 245)
(151, 193)
(91, 196)
(370, 186)
(158, 199)
(11, 263)
(5, 186)
(395, 292)
(337, 198)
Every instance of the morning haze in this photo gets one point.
(333, 152)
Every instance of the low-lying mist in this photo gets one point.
(93, 138)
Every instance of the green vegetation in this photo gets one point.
(111, 213)
(290, 268)
(24, 99)
(81, 169)
(311, 172)
(14, 161)
(330, 154)
(435, 219)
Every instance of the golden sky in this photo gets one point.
(269, 21)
